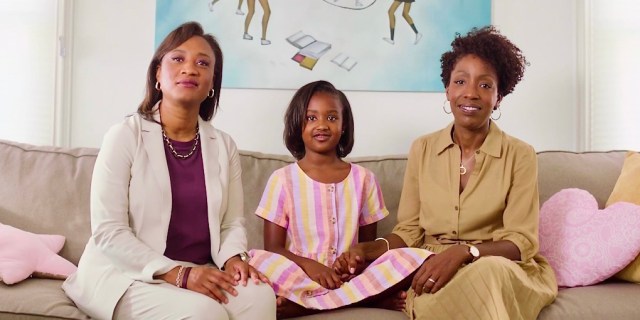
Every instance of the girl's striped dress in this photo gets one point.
(322, 222)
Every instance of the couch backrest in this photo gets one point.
(596, 172)
(45, 190)
(257, 167)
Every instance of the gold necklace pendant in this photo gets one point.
(463, 169)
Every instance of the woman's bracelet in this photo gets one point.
(386, 241)
(185, 277)
(179, 277)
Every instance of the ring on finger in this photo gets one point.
(431, 280)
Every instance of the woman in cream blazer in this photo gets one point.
(125, 271)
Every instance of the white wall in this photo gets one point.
(113, 43)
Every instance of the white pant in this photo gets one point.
(166, 301)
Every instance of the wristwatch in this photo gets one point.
(244, 256)
(474, 252)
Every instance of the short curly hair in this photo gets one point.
(489, 45)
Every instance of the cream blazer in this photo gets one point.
(131, 209)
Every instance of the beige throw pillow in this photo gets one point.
(627, 189)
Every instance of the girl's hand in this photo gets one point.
(212, 283)
(439, 269)
(241, 271)
(322, 274)
(350, 263)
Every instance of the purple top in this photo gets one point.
(188, 238)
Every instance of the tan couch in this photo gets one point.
(46, 190)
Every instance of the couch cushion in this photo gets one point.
(389, 171)
(42, 297)
(557, 170)
(357, 313)
(45, 190)
(612, 300)
(257, 168)
(595, 172)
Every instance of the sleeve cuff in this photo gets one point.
(527, 250)
(156, 267)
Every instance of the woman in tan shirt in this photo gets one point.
(470, 195)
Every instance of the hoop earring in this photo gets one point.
(499, 114)
(210, 95)
(445, 108)
(157, 86)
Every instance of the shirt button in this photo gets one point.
(333, 250)
(456, 208)
(477, 151)
(454, 232)
(330, 188)
(333, 220)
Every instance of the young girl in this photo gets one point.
(314, 210)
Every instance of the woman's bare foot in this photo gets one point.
(286, 308)
(394, 302)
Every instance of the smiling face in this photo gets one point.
(472, 93)
(323, 124)
(185, 73)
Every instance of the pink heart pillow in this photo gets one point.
(24, 253)
(583, 244)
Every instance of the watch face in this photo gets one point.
(244, 256)
(474, 251)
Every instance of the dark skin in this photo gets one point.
(325, 169)
(473, 94)
(185, 76)
(275, 239)
(321, 135)
(213, 282)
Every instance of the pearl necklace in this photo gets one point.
(173, 150)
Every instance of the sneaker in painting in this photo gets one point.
(389, 40)
(418, 37)
(247, 36)
(211, 4)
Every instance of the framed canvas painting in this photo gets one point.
(367, 45)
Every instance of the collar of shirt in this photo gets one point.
(492, 144)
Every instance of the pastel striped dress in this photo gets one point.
(322, 222)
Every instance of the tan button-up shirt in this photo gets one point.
(499, 202)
